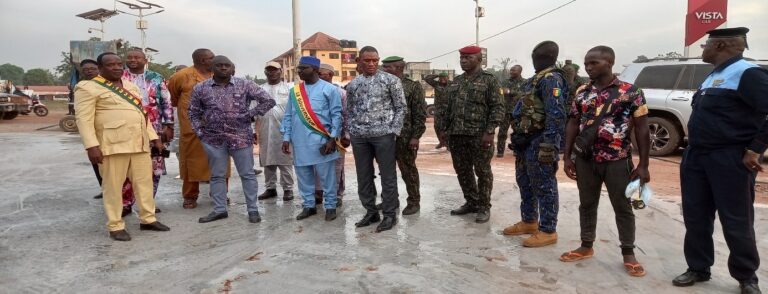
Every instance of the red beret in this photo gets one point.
(470, 50)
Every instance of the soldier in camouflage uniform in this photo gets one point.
(407, 144)
(475, 109)
(441, 100)
(511, 89)
(539, 126)
(573, 80)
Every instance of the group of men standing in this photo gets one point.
(307, 127)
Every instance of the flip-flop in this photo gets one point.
(634, 269)
(571, 256)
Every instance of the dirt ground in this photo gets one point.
(665, 176)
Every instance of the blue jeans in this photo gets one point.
(326, 172)
(217, 161)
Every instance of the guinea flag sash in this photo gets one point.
(123, 93)
(307, 115)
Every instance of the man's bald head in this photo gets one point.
(202, 57)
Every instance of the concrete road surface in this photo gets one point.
(53, 239)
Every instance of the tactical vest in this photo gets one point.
(532, 114)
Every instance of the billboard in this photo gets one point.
(703, 15)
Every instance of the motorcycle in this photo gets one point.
(38, 107)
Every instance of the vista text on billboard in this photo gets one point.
(708, 17)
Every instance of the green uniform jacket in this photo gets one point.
(475, 105)
(415, 111)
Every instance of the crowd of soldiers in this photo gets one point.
(306, 127)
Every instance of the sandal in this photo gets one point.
(571, 256)
(634, 269)
(189, 204)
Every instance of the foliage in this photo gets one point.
(38, 76)
(668, 55)
(255, 79)
(11, 72)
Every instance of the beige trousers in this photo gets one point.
(138, 168)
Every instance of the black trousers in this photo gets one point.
(382, 149)
(717, 181)
(590, 178)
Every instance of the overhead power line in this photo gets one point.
(509, 29)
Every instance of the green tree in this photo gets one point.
(164, 69)
(11, 72)
(38, 76)
(63, 70)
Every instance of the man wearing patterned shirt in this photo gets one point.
(413, 128)
(611, 159)
(376, 106)
(157, 101)
(326, 73)
(220, 115)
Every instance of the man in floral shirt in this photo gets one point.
(375, 109)
(611, 159)
(157, 101)
(220, 115)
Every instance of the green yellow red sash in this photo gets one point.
(307, 115)
(123, 93)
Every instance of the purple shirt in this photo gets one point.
(220, 114)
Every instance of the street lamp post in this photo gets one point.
(479, 12)
(141, 24)
(100, 15)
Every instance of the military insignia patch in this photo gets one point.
(556, 92)
(717, 83)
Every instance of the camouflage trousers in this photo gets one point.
(501, 142)
(470, 159)
(406, 162)
(538, 187)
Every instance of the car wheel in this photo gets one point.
(10, 115)
(431, 111)
(665, 136)
(68, 123)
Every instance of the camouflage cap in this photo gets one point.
(393, 58)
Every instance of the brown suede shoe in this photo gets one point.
(540, 239)
(121, 235)
(189, 204)
(520, 228)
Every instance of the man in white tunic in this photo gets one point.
(270, 139)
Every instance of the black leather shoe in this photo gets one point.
(156, 226)
(367, 220)
(126, 211)
(269, 193)
(254, 217)
(121, 235)
(98, 196)
(287, 195)
(330, 214)
(483, 216)
(257, 171)
(157, 210)
(689, 278)
(750, 288)
(307, 212)
(464, 209)
(386, 224)
(339, 202)
(213, 216)
(411, 209)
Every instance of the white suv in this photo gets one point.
(669, 85)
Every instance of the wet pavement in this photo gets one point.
(53, 239)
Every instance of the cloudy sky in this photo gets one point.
(252, 32)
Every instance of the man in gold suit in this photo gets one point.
(115, 131)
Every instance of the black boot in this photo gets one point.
(368, 219)
(307, 212)
(386, 224)
(689, 278)
(287, 195)
(464, 209)
(269, 193)
(330, 214)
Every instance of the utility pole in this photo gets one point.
(100, 15)
(141, 24)
(296, 39)
(479, 12)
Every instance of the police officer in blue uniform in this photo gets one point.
(728, 132)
